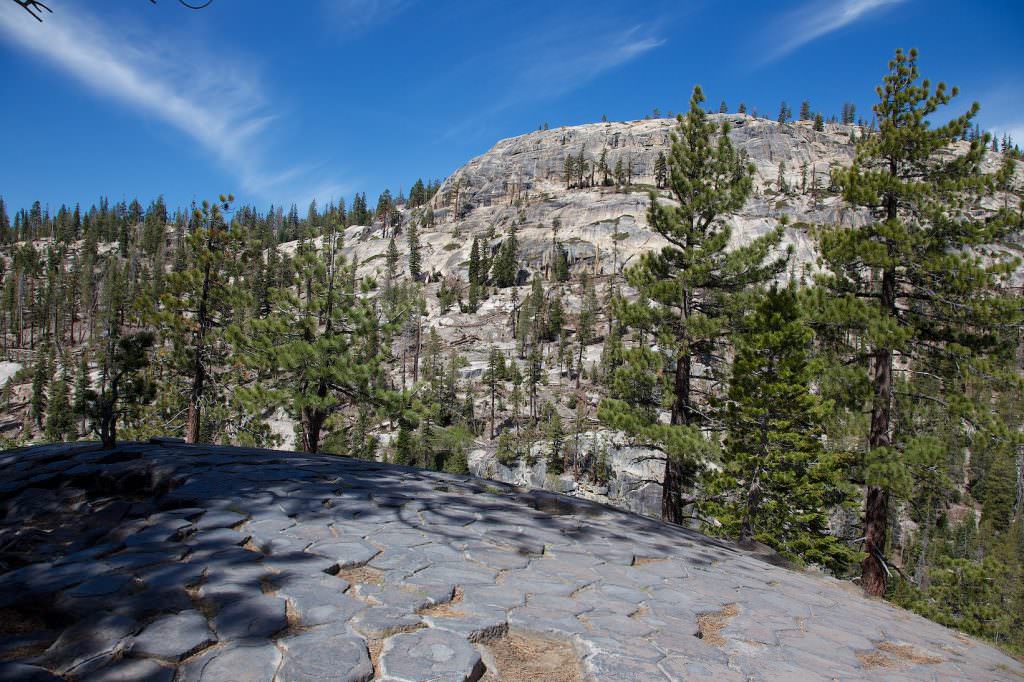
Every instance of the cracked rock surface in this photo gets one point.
(159, 561)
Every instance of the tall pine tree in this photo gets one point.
(911, 287)
(693, 279)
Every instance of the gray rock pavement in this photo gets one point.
(161, 561)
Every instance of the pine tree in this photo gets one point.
(909, 284)
(493, 378)
(785, 113)
(555, 433)
(124, 386)
(660, 170)
(5, 224)
(505, 269)
(474, 276)
(805, 111)
(849, 113)
(40, 387)
(569, 170)
(819, 123)
(199, 303)
(723, 108)
(316, 354)
(780, 181)
(391, 258)
(60, 422)
(415, 260)
(586, 323)
(602, 167)
(692, 280)
(80, 398)
(776, 484)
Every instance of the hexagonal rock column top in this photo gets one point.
(173, 638)
(325, 654)
(430, 656)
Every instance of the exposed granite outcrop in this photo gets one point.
(161, 561)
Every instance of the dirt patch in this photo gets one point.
(361, 575)
(906, 652)
(445, 609)
(874, 659)
(710, 625)
(893, 655)
(525, 658)
(374, 647)
(644, 560)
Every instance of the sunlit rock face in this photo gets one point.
(520, 183)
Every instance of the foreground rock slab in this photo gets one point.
(169, 562)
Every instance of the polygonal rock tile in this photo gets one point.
(135, 561)
(256, 662)
(493, 595)
(325, 654)
(408, 561)
(137, 670)
(495, 557)
(430, 655)
(101, 586)
(457, 574)
(177, 574)
(399, 538)
(174, 637)
(257, 616)
(88, 645)
(414, 596)
(212, 520)
(544, 621)
(344, 554)
(319, 600)
(616, 624)
(612, 668)
(475, 623)
(685, 668)
(217, 539)
(377, 622)
(11, 671)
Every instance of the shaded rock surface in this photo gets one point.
(423, 570)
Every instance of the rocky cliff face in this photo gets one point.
(521, 182)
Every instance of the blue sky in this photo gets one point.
(280, 101)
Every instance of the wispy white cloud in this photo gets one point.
(219, 103)
(554, 65)
(554, 62)
(352, 17)
(816, 19)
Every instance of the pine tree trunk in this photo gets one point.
(192, 431)
(416, 354)
(876, 512)
(672, 486)
(312, 422)
(921, 571)
(1018, 505)
(753, 501)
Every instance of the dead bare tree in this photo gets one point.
(36, 8)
